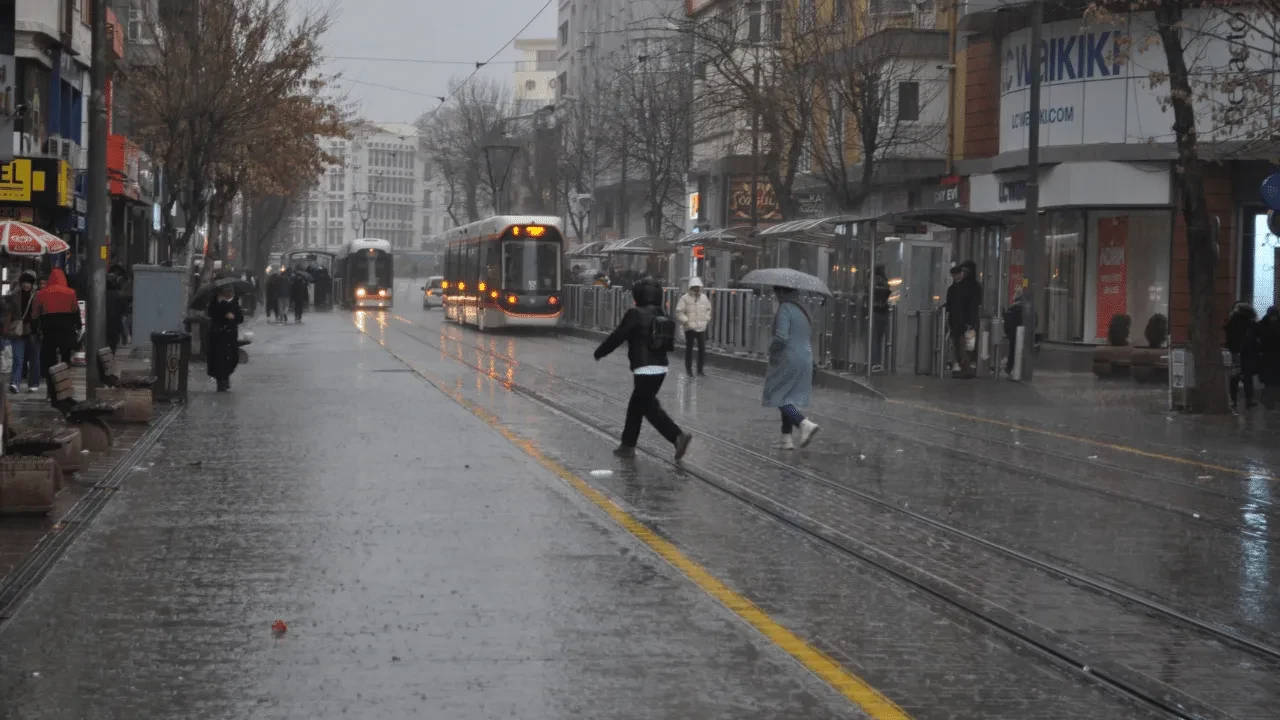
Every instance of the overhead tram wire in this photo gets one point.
(479, 65)
(420, 61)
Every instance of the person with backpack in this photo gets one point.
(649, 334)
(788, 381)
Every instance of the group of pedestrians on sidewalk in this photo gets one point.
(42, 327)
(1255, 352)
(285, 290)
(650, 335)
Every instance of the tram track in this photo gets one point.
(1138, 684)
(1010, 448)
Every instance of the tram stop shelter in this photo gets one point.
(917, 249)
(587, 258)
(719, 257)
(646, 255)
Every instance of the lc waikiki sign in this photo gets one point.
(1097, 85)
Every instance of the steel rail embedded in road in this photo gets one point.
(1057, 649)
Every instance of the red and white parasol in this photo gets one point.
(19, 238)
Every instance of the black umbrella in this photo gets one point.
(205, 294)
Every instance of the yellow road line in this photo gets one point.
(852, 687)
(1087, 441)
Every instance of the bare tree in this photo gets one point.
(648, 120)
(1217, 64)
(232, 80)
(455, 136)
(881, 97)
(581, 137)
(756, 82)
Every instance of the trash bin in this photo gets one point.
(170, 363)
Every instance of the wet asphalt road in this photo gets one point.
(331, 490)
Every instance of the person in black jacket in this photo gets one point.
(964, 299)
(225, 317)
(649, 369)
(1242, 341)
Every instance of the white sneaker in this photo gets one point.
(786, 442)
(808, 429)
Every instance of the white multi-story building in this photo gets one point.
(534, 81)
(379, 186)
(599, 40)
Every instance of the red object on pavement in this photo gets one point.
(278, 627)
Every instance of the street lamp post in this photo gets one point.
(499, 154)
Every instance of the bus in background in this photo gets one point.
(362, 274)
(504, 272)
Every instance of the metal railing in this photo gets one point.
(741, 321)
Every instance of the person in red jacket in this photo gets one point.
(57, 321)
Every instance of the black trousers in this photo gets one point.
(644, 405)
(691, 337)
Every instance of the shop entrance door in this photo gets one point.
(925, 276)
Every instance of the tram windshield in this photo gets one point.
(531, 265)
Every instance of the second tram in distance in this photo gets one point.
(504, 272)
(363, 274)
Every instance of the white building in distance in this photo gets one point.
(380, 186)
(534, 81)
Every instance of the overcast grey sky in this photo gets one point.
(465, 31)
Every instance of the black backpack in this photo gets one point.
(662, 332)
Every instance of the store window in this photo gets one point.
(1129, 251)
(1258, 262)
(1097, 264)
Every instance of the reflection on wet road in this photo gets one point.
(1095, 543)
(437, 515)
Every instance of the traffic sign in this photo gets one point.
(1270, 191)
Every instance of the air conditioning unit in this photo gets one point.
(52, 146)
(80, 159)
(67, 149)
(23, 143)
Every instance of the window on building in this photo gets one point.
(564, 34)
(806, 15)
(426, 225)
(137, 27)
(530, 85)
(561, 83)
(426, 198)
(909, 101)
(839, 11)
(755, 20)
(546, 60)
(335, 208)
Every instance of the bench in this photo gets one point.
(111, 376)
(27, 484)
(62, 445)
(89, 416)
(1150, 365)
(1112, 360)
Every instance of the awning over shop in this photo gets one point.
(645, 245)
(962, 219)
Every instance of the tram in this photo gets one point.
(319, 264)
(504, 272)
(362, 274)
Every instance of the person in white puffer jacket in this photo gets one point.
(694, 313)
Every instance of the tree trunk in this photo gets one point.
(1209, 395)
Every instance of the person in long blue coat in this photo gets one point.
(789, 379)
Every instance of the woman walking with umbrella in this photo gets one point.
(788, 382)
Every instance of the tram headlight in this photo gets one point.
(552, 300)
(493, 294)
(512, 299)
(360, 292)
(444, 285)
(483, 287)
(462, 286)
(382, 293)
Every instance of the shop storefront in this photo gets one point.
(1107, 233)
(39, 191)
